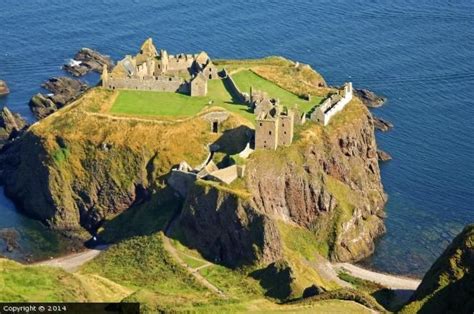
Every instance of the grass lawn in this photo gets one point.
(149, 103)
(246, 78)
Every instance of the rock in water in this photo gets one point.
(64, 90)
(88, 60)
(11, 125)
(3, 88)
(369, 98)
(383, 156)
(382, 125)
(42, 106)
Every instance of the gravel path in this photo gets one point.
(72, 262)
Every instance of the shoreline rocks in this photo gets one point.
(382, 124)
(63, 89)
(4, 90)
(11, 126)
(383, 156)
(88, 60)
(369, 98)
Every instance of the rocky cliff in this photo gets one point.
(76, 168)
(448, 287)
(327, 182)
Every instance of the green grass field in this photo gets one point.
(149, 103)
(246, 79)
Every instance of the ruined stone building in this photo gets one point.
(160, 71)
(332, 105)
(274, 128)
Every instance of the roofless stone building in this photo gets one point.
(159, 71)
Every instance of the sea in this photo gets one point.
(417, 53)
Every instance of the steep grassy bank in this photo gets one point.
(448, 287)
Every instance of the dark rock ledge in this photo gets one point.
(63, 91)
(88, 60)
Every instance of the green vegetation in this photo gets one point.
(143, 219)
(60, 155)
(347, 294)
(384, 296)
(448, 286)
(246, 79)
(142, 262)
(20, 283)
(150, 103)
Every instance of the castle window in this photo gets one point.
(283, 125)
(215, 127)
(284, 132)
(210, 76)
(269, 132)
(261, 124)
(171, 79)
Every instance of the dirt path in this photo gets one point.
(389, 281)
(194, 272)
(72, 262)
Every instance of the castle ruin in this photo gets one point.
(273, 128)
(332, 105)
(159, 71)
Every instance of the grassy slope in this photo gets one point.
(448, 287)
(246, 79)
(39, 283)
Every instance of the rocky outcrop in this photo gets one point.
(4, 88)
(329, 184)
(63, 89)
(383, 156)
(369, 98)
(11, 126)
(382, 124)
(448, 287)
(227, 229)
(87, 60)
(334, 186)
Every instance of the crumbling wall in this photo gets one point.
(158, 83)
(233, 89)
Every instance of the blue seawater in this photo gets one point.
(417, 53)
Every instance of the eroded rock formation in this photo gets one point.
(369, 98)
(11, 126)
(63, 89)
(88, 60)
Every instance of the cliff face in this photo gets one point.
(227, 229)
(448, 287)
(327, 182)
(74, 169)
(331, 182)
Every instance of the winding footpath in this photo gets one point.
(193, 271)
(72, 262)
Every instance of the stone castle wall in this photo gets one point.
(331, 106)
(233, 88)
(285, 130)
(266, 134)
(159, 83)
